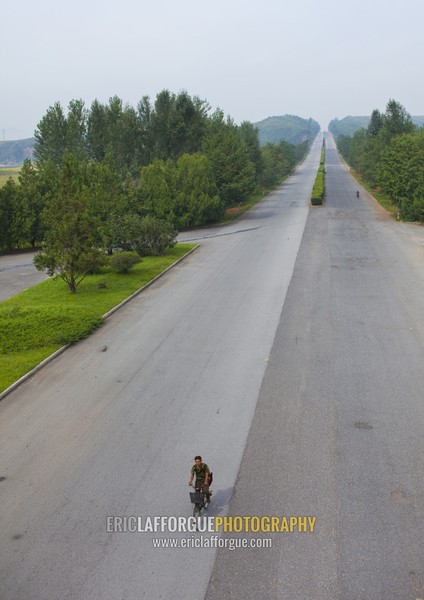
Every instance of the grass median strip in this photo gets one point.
(38, 321)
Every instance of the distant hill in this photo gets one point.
(419, 120)
(13, 153)
(287, 127)
(349, 125)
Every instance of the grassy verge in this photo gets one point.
(38, 321)
(6, 172)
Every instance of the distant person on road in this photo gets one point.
(201, 470)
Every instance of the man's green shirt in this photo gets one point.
(200, 472)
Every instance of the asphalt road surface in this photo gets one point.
(288, 351)
(110, 427)
(17, 272)
(338, 427)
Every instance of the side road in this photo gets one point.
(17, 273)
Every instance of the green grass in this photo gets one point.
(6, 172)
(38, 321)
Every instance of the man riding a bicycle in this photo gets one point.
(202, 473)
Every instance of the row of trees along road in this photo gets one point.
(389, 154)
(107, 168)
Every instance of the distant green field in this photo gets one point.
(6, 172)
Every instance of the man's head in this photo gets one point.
(198, 460)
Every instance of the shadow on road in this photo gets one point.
(219, 500)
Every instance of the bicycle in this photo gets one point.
(198, 499)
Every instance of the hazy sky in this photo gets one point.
(254, 59)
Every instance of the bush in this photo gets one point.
(318, 189)
(124, 261)
(155, 236)
(412, 210)
(319, 186)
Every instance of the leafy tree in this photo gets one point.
(233, 169)
(156, 190)
(144, 110)
(14, 217)
(274, 163)
(390, 154)
(250, 137)
(114, 129)
(300, 151)
(353, 148)
(190, 123)
(161, 126)
(155, 235)
(76, 130)
(50, 136)
(70, 249)
(106, 200)
(279, 161)
(413, 210)
(8, 195)
(367, 154)
(375, 124)
(123, 231)
(402, 174)
(396, 120)
(184, 194)
(177, 125)
(97, 134)
(122, 135)
(343, 146)
(196, 199)
(125, 136)
(57, 133)
(137, 161)
(32, 196)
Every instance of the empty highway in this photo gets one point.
(287, 350)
